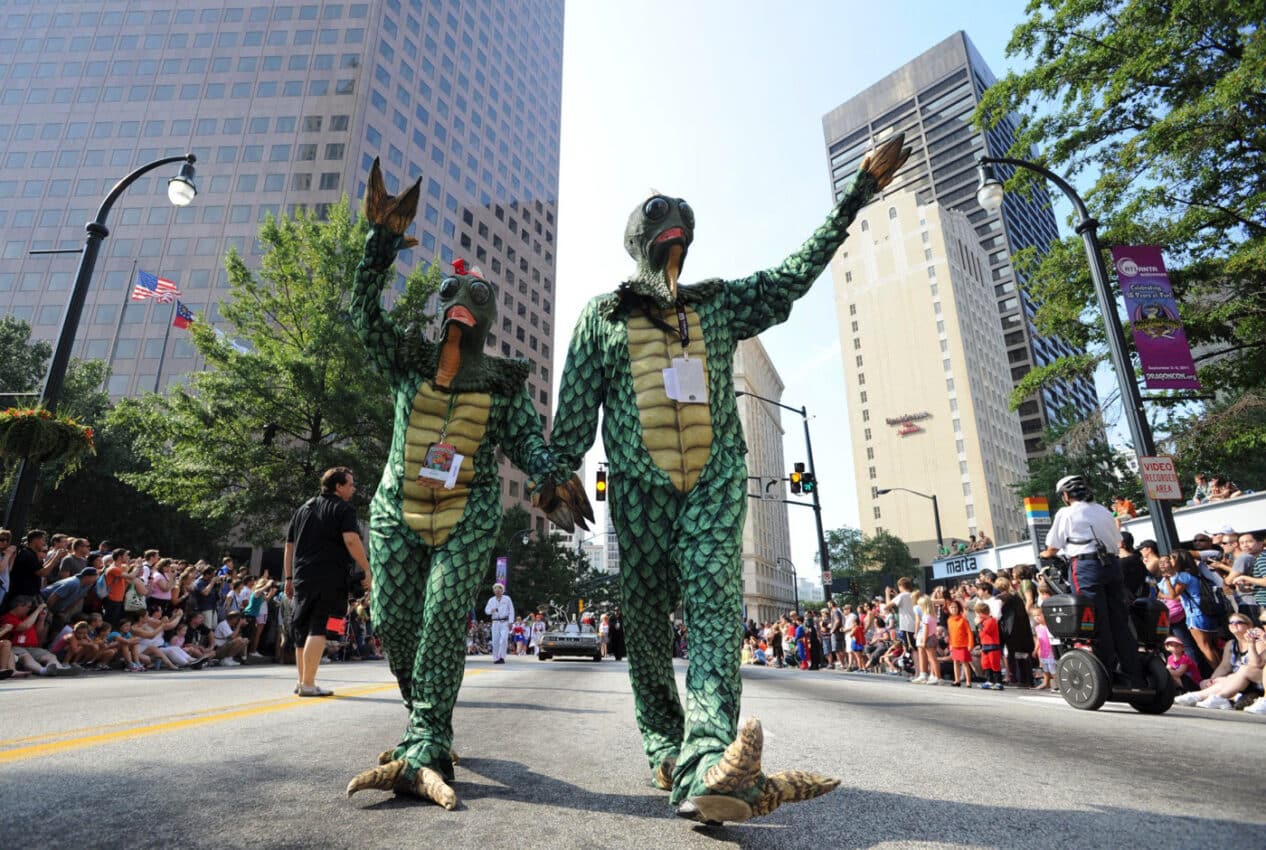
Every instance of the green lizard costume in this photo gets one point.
(429, 544)
(677, 486)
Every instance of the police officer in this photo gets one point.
(1087, 534)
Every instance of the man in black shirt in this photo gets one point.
(322, 538)
(28, 568)
(1133, 573)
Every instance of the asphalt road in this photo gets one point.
(551, 758)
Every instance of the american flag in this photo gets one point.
(183, 317)
(153, 286)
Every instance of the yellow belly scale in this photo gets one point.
(678, 436)
(433, 512)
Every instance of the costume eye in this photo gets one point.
(480, 292)
(686, 212)
(449, 288)
(656, 208)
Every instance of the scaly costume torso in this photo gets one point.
(428, 547)
(677, 493)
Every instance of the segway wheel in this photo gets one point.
(597, 656)
(542, 656)
(1158, 677)
(1083, 683)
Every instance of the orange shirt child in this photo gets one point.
(960, 636)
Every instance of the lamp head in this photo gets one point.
(990, 192)
(884, 491)
(180, 189)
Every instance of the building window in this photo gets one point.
(867, 433)
(892, 212)
(877, 514)
(866, 418)
(852, 309)
(865, 226)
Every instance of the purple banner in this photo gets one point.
(1158, 332)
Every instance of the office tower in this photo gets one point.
(767, 572)
(931, 100)
(927, 377)
(285, 106)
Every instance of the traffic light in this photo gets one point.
(797, 478)
(600, 485)
(808, 483)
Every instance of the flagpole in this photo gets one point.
(118, 327)
(162, 355)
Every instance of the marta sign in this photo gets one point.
(1160, 478)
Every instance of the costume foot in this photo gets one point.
(734, 789)
(426, 784)
(664, 774)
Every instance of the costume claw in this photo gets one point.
(382, 778)
(429, 785)
(664, 774)
(791, 786)
(567, 504)
(738, 771)
(394, 212)
(739, 766)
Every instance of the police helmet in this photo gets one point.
(1074, 486)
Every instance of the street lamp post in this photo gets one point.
(989, 195)
(823, 556)
(181, 192)
(795, 589)
(936, 513)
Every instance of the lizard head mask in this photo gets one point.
(657, 237)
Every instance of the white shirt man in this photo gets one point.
(501, 610)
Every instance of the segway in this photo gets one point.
(1084, 682)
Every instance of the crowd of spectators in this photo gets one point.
(988, 632)
(67, 608)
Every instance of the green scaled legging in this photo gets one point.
(683, 543)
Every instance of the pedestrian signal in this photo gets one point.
(797, 478)
(600, 485)
(808, 483)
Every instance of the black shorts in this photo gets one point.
(315, 604)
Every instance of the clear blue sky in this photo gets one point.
(720, 102)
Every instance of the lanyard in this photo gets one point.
(448, 415)
(683, 327)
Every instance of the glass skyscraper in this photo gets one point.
(931, 100)
(285, 106)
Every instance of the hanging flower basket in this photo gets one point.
(32, 433)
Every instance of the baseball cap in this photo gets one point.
(1173, 641)
(86, 572)
(1226, 529)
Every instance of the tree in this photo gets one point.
(540, 571)
(868, 562)
(1082, 450)
(247, 437)
(22, 362)
(1164, 103)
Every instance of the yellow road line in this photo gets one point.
(211, 716)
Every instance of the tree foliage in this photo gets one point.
(1162, 103)
(22, 362)
(287, 393)
(1078, 447)
(868, 562)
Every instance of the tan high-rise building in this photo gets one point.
(927, 377)
(767, 572)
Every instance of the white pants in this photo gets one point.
(177, 656)
(500, 631)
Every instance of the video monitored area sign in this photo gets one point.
(1160, 478)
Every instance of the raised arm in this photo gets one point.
(583, 389)
(764, 299)
(389, 217)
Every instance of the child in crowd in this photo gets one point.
(928, 672)
(1045, 652)
(1182, 668)
(760, 656)
(745, 655)
(990, 648)
(960, 644)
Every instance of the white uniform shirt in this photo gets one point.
(1083, 521)
(501, 610)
